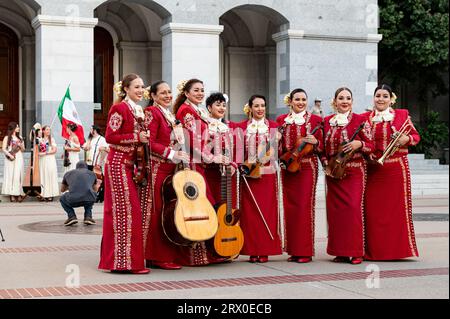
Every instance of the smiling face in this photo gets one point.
(258, 109)
(196, 94)
(217, 109)
(382, 100)
(136, 90)
(163, 95)
(299, 102)
(344, 101)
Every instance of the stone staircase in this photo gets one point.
(428, 176)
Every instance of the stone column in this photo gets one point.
(191, 51)
(64, 55)
(320, 63)
(28, 93)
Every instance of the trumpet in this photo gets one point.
(393, 146)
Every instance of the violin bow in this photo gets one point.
(257, 206)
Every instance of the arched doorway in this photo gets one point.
(103, 75)
(249, 55)
(9, 78)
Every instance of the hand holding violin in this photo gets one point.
(144, 137)
(351, 146)
(310, 139)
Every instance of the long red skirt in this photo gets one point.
(299, 197)
(157, 246)
(122, 244)
(257, 241)
(388, 209)
(345, 215)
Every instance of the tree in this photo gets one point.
(414, 49)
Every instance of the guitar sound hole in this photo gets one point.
(190, 190)
(228, 219)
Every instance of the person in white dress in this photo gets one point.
(72, 148)
(13, 147)
(47, 166)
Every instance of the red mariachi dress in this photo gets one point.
(219, 140)
(344, 198)
(122, 244)
(257, 240)
(194, 120)
(159, 122)
(299, 189)
(389, 224)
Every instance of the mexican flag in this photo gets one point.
(67, 113)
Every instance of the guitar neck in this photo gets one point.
(229, 190)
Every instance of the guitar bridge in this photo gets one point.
(225, 240)
(194, 218)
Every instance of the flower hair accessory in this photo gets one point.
(147, 93)
(393, 98)
(247, 110)
(287, 99)
(180, 86)
(118, 89)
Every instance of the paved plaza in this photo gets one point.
(40, 258)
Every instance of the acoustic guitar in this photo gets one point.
(229, 238)
(194, 217)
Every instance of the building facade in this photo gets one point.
(238, 47)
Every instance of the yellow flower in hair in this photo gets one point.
(147, 93)
(287, 99)
(246, 109)
(180, 86)
(118, 89)
(393, 98)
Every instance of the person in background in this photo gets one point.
(317, 107)
(82, 186)
(48, 169)
(96, 149)
(71, 148)
(13, 147)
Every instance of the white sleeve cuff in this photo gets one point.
(171, 154)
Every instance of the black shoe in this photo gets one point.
(71, 221)
(89, 221)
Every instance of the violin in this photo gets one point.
(252, 168)
(97, 169)
(336, 165)
(142, 159)
(291, 159)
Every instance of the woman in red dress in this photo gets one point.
(220, 143)
(194, 119)
(159, 251)
(122, 243)
(344, 197)
(299, 188)
(388, 206)
(259, 201)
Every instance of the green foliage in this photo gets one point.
(433, 136)
(415, 43)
